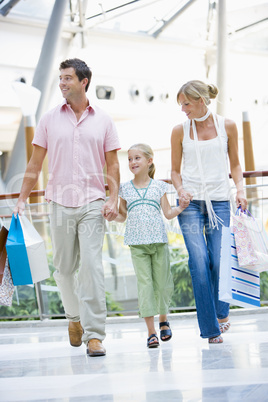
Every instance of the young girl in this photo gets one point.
(141, 200)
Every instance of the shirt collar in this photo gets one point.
(90, 106)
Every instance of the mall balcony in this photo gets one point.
(37, 362)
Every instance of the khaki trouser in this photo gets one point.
(77, 240)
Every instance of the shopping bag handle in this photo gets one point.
(246, 211)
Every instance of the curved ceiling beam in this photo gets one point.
(8, 7)
(166, 23)
(112, 9)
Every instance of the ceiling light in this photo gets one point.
(104, 92)
(149, 94)
(134, 92)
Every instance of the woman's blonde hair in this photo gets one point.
(148, 153)
(198, 89)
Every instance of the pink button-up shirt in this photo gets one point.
(76, 153)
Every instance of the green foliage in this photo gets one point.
(264, 285)
(111, 304)
(183, 292)
(25, 305)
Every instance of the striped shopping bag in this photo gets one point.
(237, 286)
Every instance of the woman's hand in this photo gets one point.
(184, 198)
(241, 200)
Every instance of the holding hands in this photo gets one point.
(110, 210)
(184, 198)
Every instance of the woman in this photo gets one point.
(203, 143)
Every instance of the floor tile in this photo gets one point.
(38, 364)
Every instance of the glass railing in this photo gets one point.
(42, 300)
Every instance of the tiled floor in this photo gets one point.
(38, 364)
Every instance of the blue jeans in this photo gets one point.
(204, 244)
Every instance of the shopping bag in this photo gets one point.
(6, 284)
(3, 252)
(7, 287)
(26, 253)
(251, 241)
(237, 286)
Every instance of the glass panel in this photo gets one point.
(24, 304)
(43, 300)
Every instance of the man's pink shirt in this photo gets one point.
(76, 153)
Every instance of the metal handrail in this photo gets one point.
(40, 193)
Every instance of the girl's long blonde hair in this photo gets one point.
(148, 153)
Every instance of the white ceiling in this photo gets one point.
(195, 27)
(247, 20)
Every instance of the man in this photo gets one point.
(79, 139)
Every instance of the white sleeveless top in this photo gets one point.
(212, 163)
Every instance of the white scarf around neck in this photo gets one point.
(204, 117)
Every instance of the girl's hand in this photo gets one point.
(184, 199)
(241, 200)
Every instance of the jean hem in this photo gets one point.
(209, 336)
(223, 318)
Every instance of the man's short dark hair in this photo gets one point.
(81, 69)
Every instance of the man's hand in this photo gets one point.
(110, 210)
(19, 208)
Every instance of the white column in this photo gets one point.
(221, 56)
(41, 80)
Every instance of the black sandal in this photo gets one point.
(165, 332)
(151, 343)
